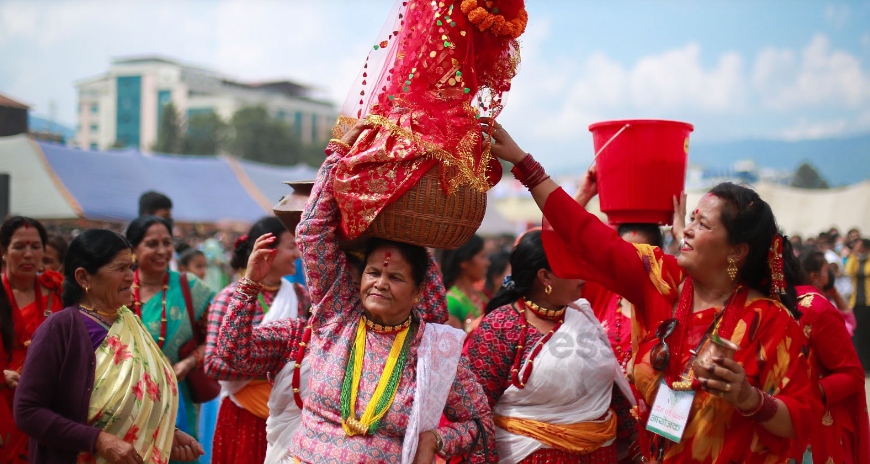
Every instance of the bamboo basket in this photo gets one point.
(428, 217)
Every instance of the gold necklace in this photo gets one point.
(97, 311)
(545, 313)
(386, 328)
(270, 288)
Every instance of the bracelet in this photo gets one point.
(754, 411)
(337, 146)
(765, 411)
(439, 443)
(529, 172)
(248, 288)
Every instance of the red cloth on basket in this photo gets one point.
(430, 75)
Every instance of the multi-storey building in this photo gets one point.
(123, 107)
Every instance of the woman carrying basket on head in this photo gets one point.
(726, 286)
(379, 382)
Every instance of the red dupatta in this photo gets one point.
(434, 70)
(27, 319)
(13, 443)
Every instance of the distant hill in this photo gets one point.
(38, 124)
(840, 161)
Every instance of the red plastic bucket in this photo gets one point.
(641, 165)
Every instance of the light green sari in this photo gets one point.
(178, 329)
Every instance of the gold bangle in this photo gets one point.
(439, 443)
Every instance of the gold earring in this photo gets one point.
(548, 289)
(732, 269)
(87, 289)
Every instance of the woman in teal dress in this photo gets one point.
(159, 300)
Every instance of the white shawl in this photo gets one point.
(571, 382)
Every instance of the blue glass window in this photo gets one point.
(129, 101)
(297, 124)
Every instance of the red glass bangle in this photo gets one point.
(766, 409)
(529, 172)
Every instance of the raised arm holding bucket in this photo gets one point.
(727, 282)
(641, 166)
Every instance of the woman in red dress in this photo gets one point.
(730, 286)
(844, 431)
(29, 299)
(240, 433)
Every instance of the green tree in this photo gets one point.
(258, 137)
(808, 177)
(313, 154)
(169, 134)
(206, 134)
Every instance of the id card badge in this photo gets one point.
(670, 412)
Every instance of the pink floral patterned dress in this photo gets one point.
(335, 315)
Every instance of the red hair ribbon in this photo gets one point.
(774, 261)
(243, 238)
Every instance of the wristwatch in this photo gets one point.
(439, 443)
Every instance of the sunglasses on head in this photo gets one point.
(660, 355)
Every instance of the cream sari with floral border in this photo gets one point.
(135, 394)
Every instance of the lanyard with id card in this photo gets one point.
(670, 412)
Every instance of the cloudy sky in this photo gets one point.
(788, 70)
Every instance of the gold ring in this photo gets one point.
(728, 387)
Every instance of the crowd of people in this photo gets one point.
(575, 342)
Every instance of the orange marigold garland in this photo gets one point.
(495, 23)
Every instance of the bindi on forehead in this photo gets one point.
(387, 257)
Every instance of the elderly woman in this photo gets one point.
(550, 397)
(726, 289)
(380, 376)
(96, 387)
(30, 297)
(165, 306)
(276, 347)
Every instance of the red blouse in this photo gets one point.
(844, 431)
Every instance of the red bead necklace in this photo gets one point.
(622, 357)
(518, 359)
(300, 355)
(137, 305)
